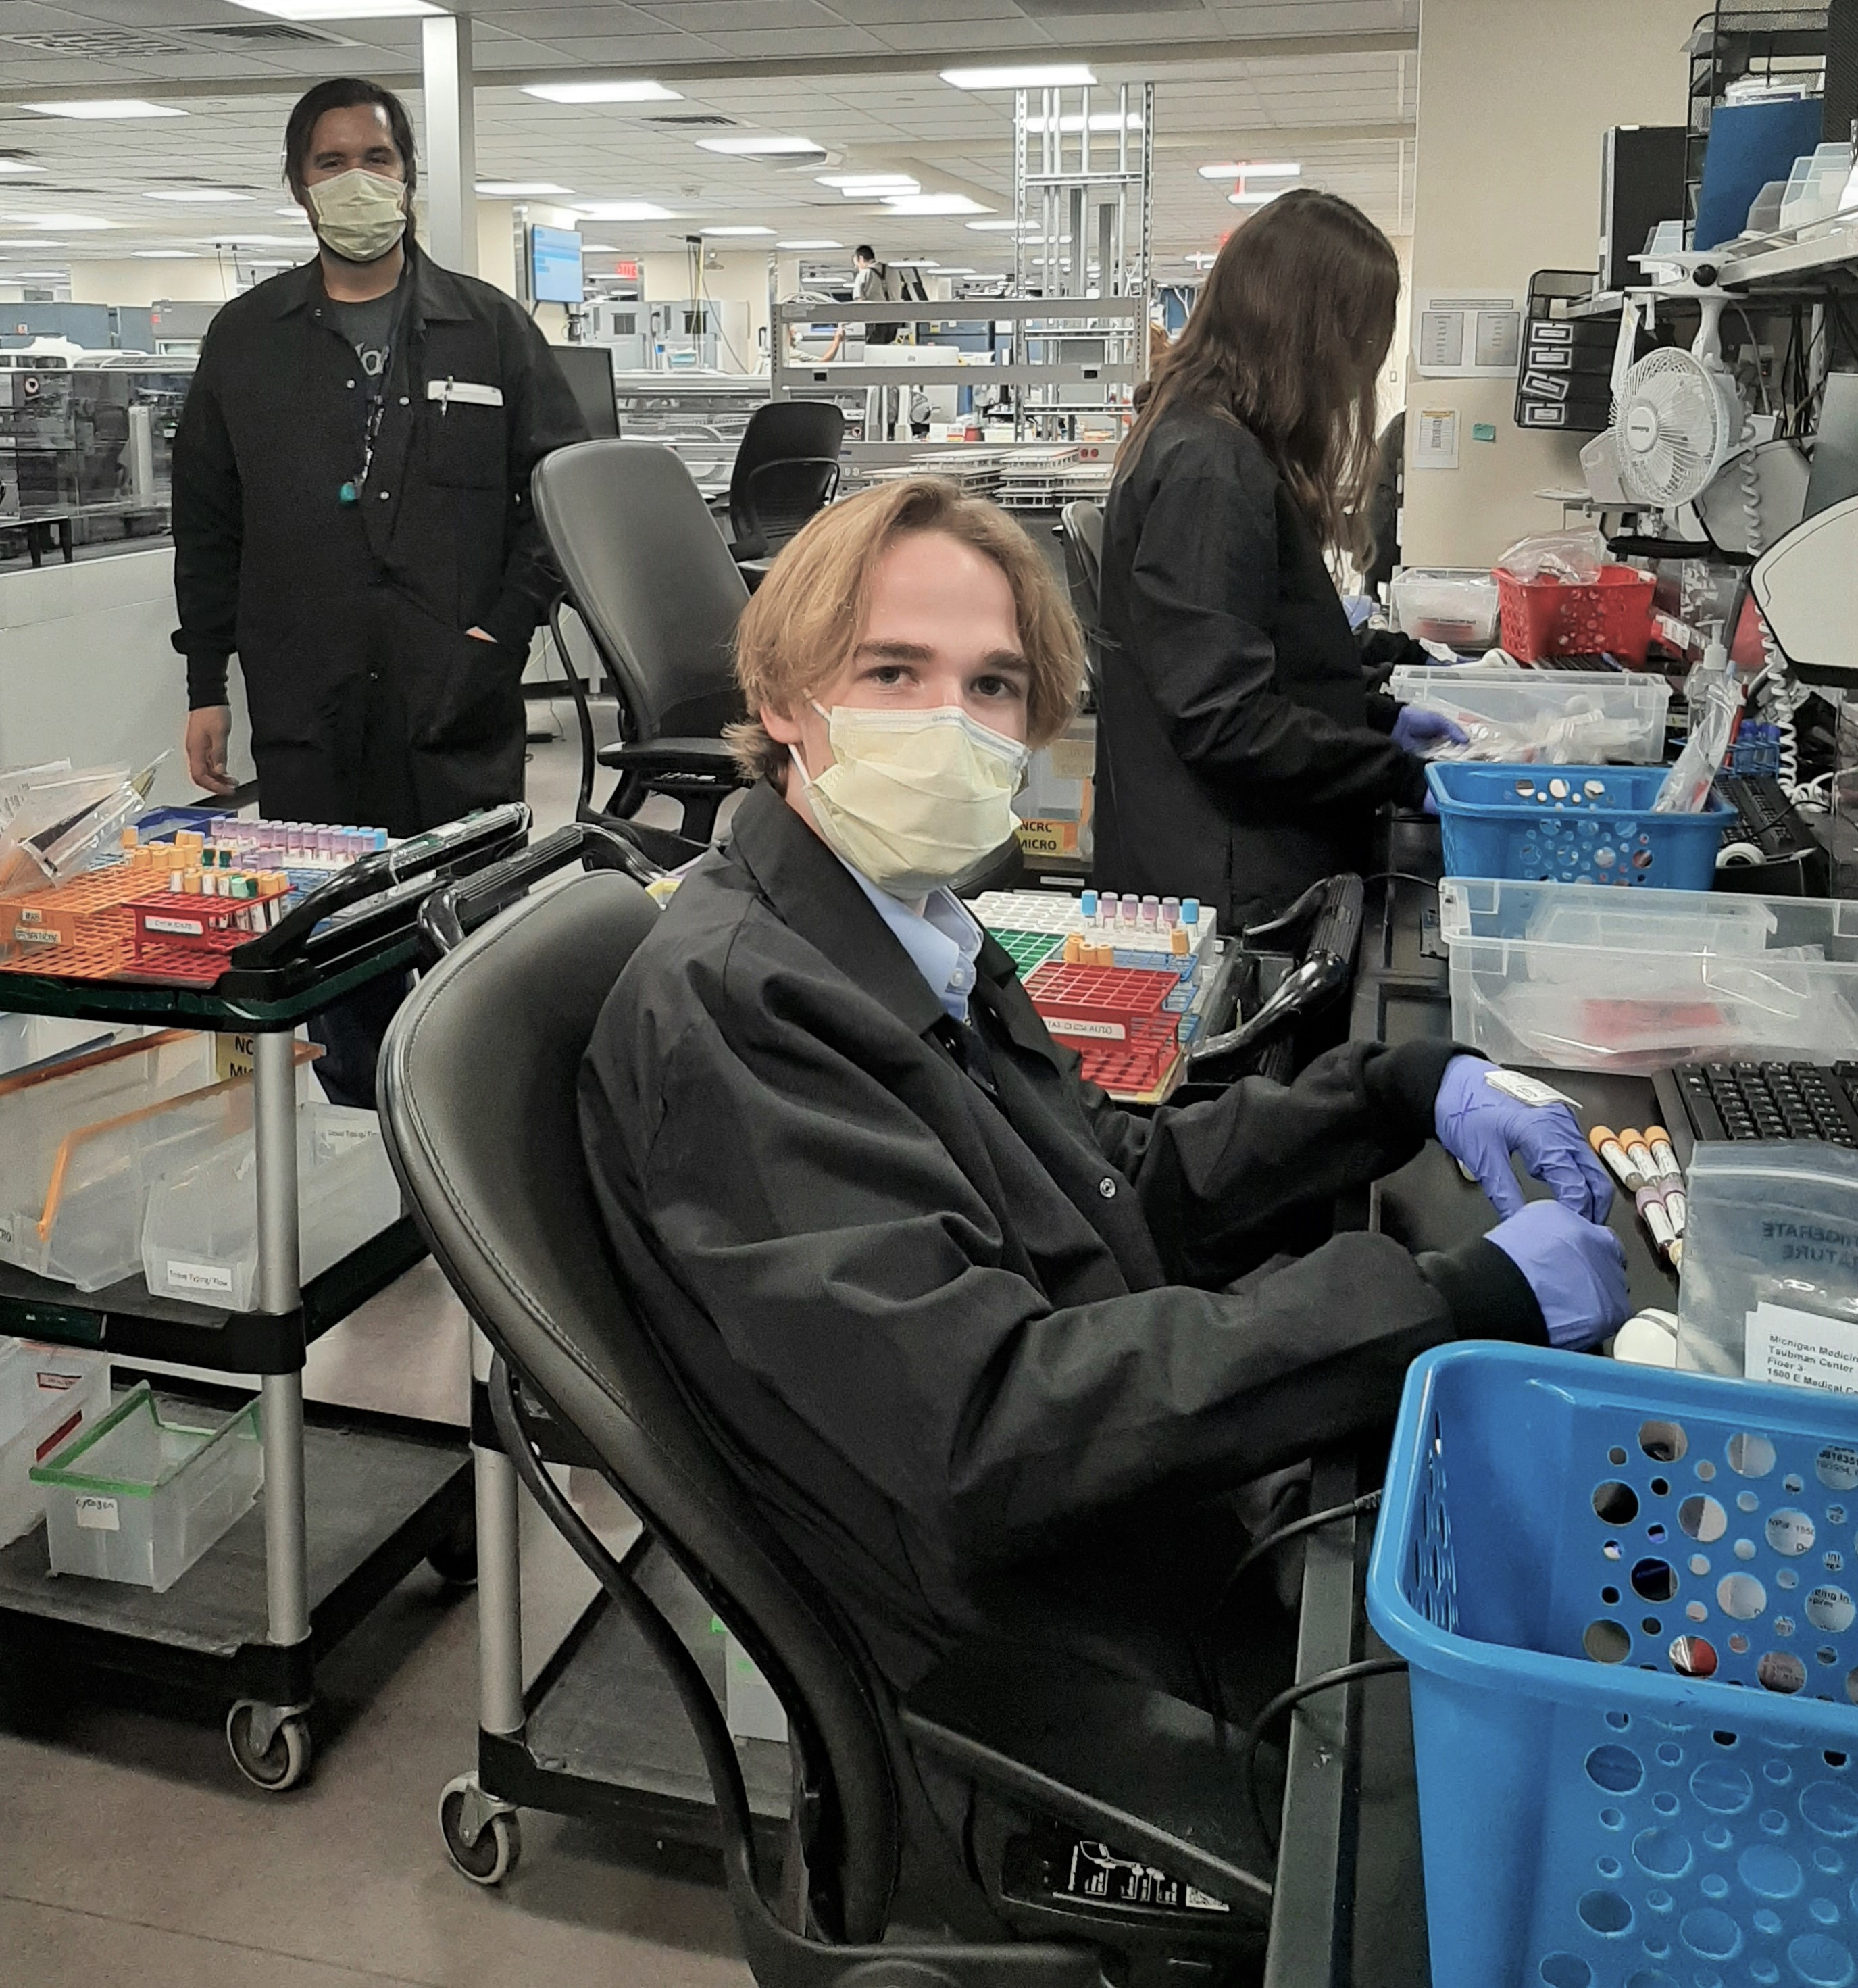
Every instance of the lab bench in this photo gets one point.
(352, 1502)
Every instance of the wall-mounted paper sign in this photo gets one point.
(1460, 335)
(1435, 438)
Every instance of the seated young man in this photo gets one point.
(991, 1352)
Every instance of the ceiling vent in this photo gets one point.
(269, 32)
(105, 43)
(694, 120)
(1043, 10)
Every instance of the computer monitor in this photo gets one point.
(589, 371)
(555, 265)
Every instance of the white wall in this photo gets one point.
(87, 671)
(137, 283)
(1512, 101)
(740, 278)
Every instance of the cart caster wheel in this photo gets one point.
(280, 1764)
(493, 1856)
(454, 1559)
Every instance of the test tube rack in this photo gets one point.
(1027, 950)
(186, 935)
(1132, 944)
(1118, 1019)
(79, 928)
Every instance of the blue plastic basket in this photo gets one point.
(1581, 1563)
(1590, 825)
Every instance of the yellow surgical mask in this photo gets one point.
(359, 214)
(913, 798)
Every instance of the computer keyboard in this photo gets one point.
(1766, 1100)
(1767, 820)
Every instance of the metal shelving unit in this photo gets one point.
(351, 1502)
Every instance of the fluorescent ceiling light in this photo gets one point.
(1100, 120)
(916, 263)
(869, 183)
(338, 10)
(600, 247)
(199, 196)
(292, 213)
(1029, 231)
(29, 242)
(1029, 76)
(105, 106)
(932, 203)
(165, 255)
(519, 189)
(1230, 169)
(1256, 199)
(621, 210)
(603, 92)
(810, 244)
(62, 224)
(737, 230)
(750, 146)
(35, 276)
(253, 242)
(1200, 258)
(11, 166)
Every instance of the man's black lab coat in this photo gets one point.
(368, 701)
(945, 1334)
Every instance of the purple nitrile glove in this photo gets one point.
(1480, 1126)
(1576, 1268)
(1415, 728)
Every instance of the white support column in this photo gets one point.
(449, 170)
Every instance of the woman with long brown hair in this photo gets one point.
(1240, 753)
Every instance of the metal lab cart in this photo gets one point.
(351, 1502)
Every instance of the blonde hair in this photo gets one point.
(803, 622)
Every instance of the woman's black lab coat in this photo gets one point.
(1240, 756)
(948, 1323)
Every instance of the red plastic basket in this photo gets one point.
(1542, 618)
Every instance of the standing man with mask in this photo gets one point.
(352, 514)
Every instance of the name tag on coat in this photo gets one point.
(467, 392)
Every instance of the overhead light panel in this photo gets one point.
(603, 92)
(337, 10)
(1262, 197)
(1028, 75)
(621, 210)
(37, 276)
(62, 224)
(871, 185)
(253, 242)
(749, 146)
(165, 255)
(519, 189)
(198, 196)
(1100, 120)
(1230, 169)
(736, 231)
(810, 244)
(1029, 231)
(105, 106)
(11, 166)
(932, 203)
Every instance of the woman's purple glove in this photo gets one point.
(1480, 1126)
(1417, 728)
(1576, 1268)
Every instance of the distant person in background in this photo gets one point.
(875, 282)
(1383, 511)
(351, 514)
(1240, 755)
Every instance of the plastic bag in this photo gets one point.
(1573, 737)
(1714, 703)
(1575, 557)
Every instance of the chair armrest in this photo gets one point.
(1152, 1776)
(708, 757)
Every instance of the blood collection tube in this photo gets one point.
(1662, 1157)
(1605, 1142)
(1650, 1201)
(1639, 1153)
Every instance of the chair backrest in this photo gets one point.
(588, 370)
(1083, 529)
(785, 469)
(650, 576)
(478, 1090)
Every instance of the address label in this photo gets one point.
(199, 1276)
(98, 1515)
(1800, 1349)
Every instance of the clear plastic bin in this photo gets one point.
(1770, 1285)
(1527, 697)
(1580, 976)
(49, 1394)
(200, 1236)
(141, 1498)
(1452, 604)
(27, 1041)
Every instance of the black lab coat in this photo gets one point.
(369, 702)
(1239, 755)
(944, 1334)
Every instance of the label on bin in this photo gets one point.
(198, 1276)
(187, 927)
(98, 1515)
(1800, 1349)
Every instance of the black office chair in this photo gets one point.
(786, 469)
(651, 581)
(1082, 523)
(478, 1100)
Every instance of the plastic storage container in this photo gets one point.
(1611, 616)
(1584, 978)
(1770, 1286)
(1454, 604)
(200, 1236)
(1581, 1561)
(1638, 704)
(1572, 825)
(139, 1498)
(48, 1394)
